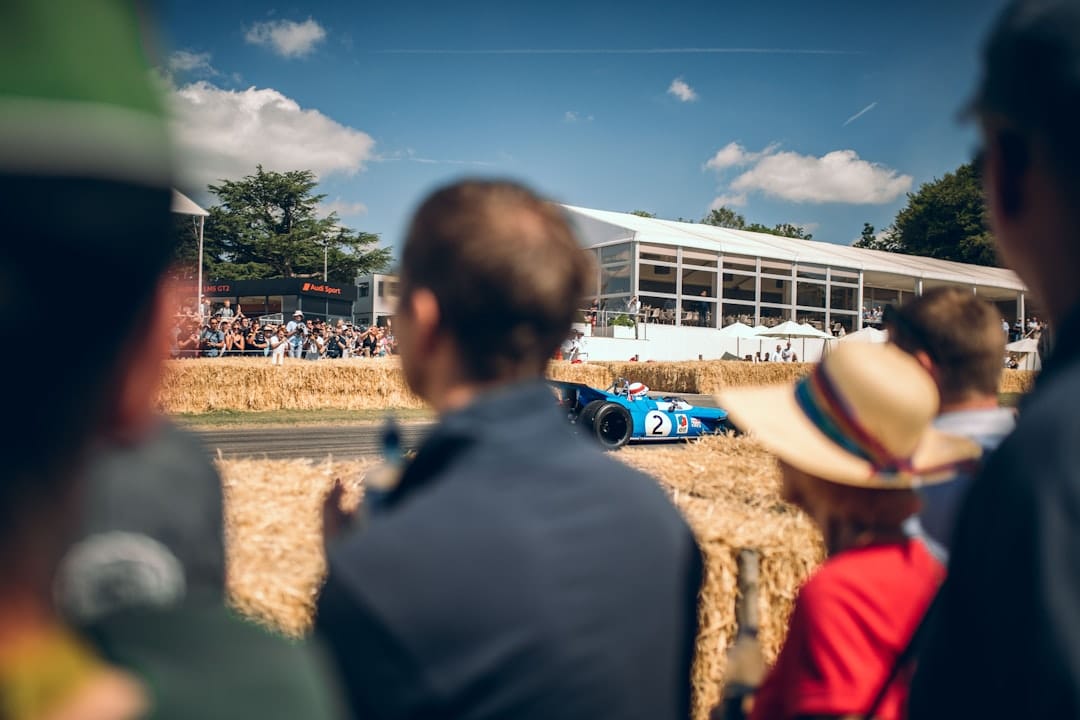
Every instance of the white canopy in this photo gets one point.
(738, 330)
(792, 329)
(866, 335)
(1027, 345)
(183, 205)
(1028, 350)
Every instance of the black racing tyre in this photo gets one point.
(588, 414)
(613, 425)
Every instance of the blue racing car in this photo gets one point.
(626, 411)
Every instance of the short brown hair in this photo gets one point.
(960, 333)
(845, 511)
(506, 269)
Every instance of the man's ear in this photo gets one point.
(134, 411)
(424, 317)
(923, 359)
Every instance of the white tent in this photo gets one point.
(866, 335)
(817, 333)
(793, 330)
(1028, 351)
(183, 205)
(739, 331)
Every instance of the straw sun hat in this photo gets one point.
(862, 418)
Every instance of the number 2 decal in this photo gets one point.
(657, 424)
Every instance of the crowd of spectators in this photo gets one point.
(227, 331)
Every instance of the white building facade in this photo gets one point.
(376, 298)
(691, 279)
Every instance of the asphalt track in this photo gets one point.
(316, 442)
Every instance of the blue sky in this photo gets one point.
(818, 113)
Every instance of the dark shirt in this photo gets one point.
(1005, 638)
(516, 572)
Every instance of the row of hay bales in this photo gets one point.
(727, 488)
(249, 385)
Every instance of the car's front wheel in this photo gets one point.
(613, 425)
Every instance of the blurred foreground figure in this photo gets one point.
(1006, 642)
(957, 338)
(853, 439)
(515, 571)
(133, 557)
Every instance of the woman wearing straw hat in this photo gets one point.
(853, 439)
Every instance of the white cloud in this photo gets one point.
(728, 200)
(840, 176)
(731, 155)
(287, 38)
(735, 155)
(191, 62)
(226, 133)
(572, 116)
(343, 208)
(681, 90)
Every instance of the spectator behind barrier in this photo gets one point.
(957, 338)
(854, 438)
(1005, 642)
(85, 172)
(515, 570)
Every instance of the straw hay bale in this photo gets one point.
(273, 534)
(1017, 381)
(714, 376)
(252, 384)
(728, 489)
(591, 374)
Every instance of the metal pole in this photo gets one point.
(325, 251)
(202, 220)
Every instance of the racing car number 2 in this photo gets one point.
(657, 424)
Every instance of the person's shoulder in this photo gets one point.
(845, 575)
(204, 659)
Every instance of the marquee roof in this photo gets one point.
(600, 227)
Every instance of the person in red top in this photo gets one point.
(853, 439)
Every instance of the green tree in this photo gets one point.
(267, 225)
(724, 217)
(783, 229)
(945, 219)
(643, 213)
(871, 240)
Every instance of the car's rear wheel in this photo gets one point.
(613, 425)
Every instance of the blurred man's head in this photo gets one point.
(1028, 104)
(491, 276)
(85, 178)
(957, 337)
